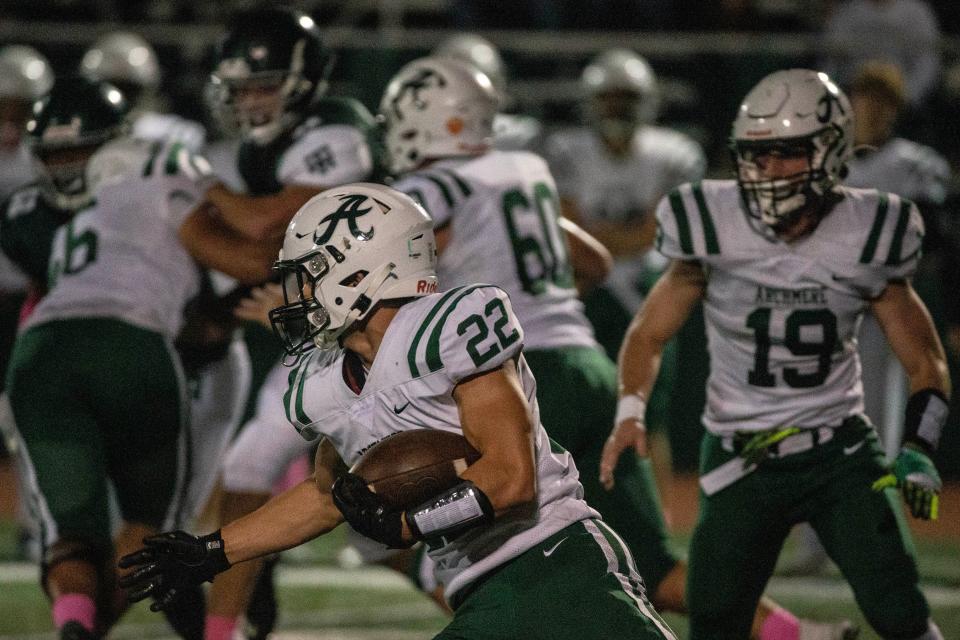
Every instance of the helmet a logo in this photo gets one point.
(424, 79)
(825, 106)
(350, 210)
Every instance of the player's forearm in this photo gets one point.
(290, 519)
(638, 363)
(257, 217)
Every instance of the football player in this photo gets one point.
(96, 389)
(496, 219)
(882, 160)
(518, 550)
(126, 60)
(269, 86)
(786, 260)
(611, 172)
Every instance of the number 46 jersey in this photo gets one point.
(782, 318)
(501, 209)
(431, 345)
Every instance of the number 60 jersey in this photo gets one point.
(431, 345)
(782, 318)
(502, 209)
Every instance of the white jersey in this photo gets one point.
(609, 189)
(903, 167)
(502, 211)
(168, 127)
(433, 344)
(122, 257)
(782, 318)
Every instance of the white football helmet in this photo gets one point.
(791, 113)
(437, 108)
(25, 73)
(345, 250)
(126, 60)
(621, 92)
(481, 53)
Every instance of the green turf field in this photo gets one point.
(320, 600)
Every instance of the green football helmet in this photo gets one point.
(66, 126)
(270, 69)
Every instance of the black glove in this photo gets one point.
(170, 562)
(367, 512)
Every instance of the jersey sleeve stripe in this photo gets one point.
(412, 354)
(871, 247)
(896, 244)
(683, 225)
(709, 232)
(173, 164)
(434, 363)
(460, 182)
(293, 400)
(444, 190)
(155, 149)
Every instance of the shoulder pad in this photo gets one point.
(685, 223)
(468, 330)
(895, 235)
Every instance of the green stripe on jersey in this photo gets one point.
(871, 247)
(412, 354)
(460, 182)
(172, 165)
(154, 152)
(896, 245)
(709, 233)
(444, 190)
(299, 372)
(683, 225)
(434, 363)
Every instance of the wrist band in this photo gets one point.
(632, 406)
(925, 418)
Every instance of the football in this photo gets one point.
(410, 467)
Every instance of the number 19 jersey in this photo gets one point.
(502, 211)
(782, 318)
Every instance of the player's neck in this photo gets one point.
(802, 226)
(366, 339)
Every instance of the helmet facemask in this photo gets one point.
(616, 114)
(777, 201)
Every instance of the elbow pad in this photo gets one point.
(452, 512)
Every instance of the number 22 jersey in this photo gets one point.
(431, 345)
(782, 318)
